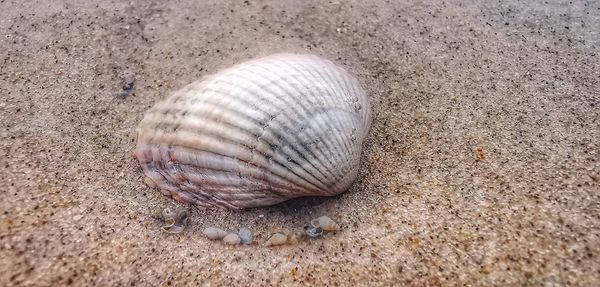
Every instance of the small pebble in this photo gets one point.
(128, 84)
(232, 239)
(214, 233)
(245, 235)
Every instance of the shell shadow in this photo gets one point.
(294, 205)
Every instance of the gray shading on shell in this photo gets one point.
(257, 134)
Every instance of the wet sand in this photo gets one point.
(482, 166)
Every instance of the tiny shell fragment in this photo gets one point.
(277, 239)
(214, 233)
(174, 222)
(232, 239)
(326, 223)
(314, 232)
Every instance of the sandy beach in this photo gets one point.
(482, 167)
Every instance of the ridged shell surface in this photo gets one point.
(257, 134)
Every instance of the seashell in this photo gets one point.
(325, 223)
(214, 233)
(232, 239)
(174, 222)
(245, 235)
(257, 134)
(314, 232)
(276, 239)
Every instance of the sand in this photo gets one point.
(482, 166)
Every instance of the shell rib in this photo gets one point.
(257, 134)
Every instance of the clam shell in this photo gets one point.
(257, 134)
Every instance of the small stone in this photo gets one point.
(128, 84)
(232, 239)
(214, 233)
(245, 235)
(128, 78)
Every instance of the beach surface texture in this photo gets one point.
(482, 166)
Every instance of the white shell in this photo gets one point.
(257, 134)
